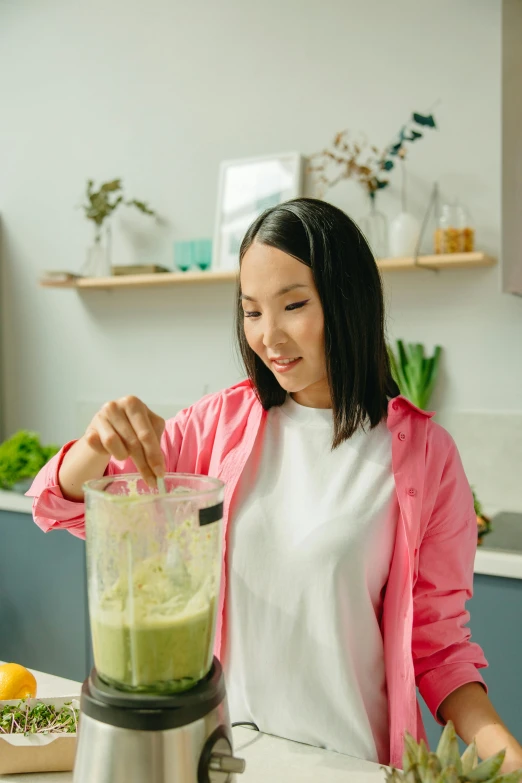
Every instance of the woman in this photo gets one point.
(351, 536)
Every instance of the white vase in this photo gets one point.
(404, 235)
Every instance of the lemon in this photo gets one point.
(16, 682)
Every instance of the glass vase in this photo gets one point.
(374, 226)
(98, 256)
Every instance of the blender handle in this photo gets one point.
(221, 762)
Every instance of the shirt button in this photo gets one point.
(412, 491)
(402, 436)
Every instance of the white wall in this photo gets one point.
(159, 93)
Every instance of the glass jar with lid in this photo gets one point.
(454, 232)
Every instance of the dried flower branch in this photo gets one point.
(356, 159)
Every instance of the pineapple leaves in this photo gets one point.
(469, 758)
(446, 766)
(510, 777)
(488, 769)
(448, 749)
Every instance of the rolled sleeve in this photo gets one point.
(436, 685)
(50, 509)
(444, 656)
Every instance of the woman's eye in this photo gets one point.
(251, 314)
(296, 305)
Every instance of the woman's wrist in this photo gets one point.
(83, 462)
(475, 718)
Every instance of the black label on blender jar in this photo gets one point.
(210, 514)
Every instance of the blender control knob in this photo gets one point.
(221, 762)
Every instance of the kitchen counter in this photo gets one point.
(13, 501)
(501, 552)
(267, 758)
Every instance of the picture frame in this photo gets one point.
(247, 187)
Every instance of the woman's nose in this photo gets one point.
(273, 335)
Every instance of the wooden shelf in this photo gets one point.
(450, 261)
(132, 281)
(453, 261)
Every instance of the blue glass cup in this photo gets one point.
(202, 254)
(183, 255)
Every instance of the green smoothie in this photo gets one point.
(152, 631)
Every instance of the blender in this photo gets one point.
(154, 707)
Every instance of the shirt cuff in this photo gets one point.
(436, 685)
(50, 508)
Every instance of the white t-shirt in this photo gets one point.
(310, 549)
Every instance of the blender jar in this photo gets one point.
(153, 572)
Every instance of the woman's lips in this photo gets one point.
(284, 365)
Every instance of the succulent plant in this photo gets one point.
(446, 765)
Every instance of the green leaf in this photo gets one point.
(510, 777)
(424, 119)
(410, 756)
(448, 747)
(110, 187)
(22, 456)
(388, 165)
(488, 769)
(414, 373)
(393, 366)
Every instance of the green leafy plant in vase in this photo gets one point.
(21, 457)
(98, 207)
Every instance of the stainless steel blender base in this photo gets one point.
(107, 754)
(146, 738)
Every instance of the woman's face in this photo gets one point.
(284, 322)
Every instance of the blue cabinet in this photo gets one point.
(43, 598)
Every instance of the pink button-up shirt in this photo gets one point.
(426, 641)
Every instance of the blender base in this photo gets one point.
(183, 738)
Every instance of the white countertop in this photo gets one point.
(13, 501)
(490, 562)
(495, 562)
(267, 758)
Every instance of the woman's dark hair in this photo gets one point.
(349, 286)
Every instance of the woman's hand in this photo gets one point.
(127, 428)
(121, 429)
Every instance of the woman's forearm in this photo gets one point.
(82, 463)
(474, 717)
